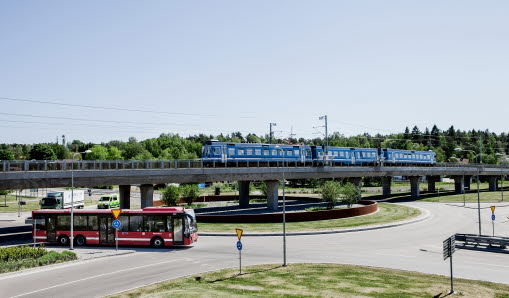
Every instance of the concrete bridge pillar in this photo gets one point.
(147, 195)
(244, 193)
(459, 184)
(467, 181)
(272, 194)
(125, 196)
(431, 182)
(357, 181)
(492, 180)
(414, 186)
(386, 186)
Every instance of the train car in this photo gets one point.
(345, 155)
(244, 152)
(394, 156)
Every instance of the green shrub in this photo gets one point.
(17, 253)
(331, 190)
(171, 195)
(350, 194)
(32, 259)
(190, 192)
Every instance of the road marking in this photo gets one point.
(100, 275)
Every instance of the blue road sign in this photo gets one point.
(239, 245)
(493, 217)
(116, 224)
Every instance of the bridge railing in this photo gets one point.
(67, 165)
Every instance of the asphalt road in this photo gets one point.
(415, 247)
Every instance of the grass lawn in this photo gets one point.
(387, 213)
(330, 280)
(446, 196)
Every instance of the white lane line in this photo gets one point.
(100, 275)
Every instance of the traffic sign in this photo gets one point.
(239, 233)
(239, 245)
(116, 212)
(493, 217)
(492, 209)
(449, 246)
(116, 224)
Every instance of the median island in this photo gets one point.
(387, 213)
(317, 280)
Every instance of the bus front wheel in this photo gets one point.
(157, 242)
(63, 240)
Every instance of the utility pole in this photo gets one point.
(326, 135)
(270, 134)
(291, 132)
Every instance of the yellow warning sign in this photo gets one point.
(492, 209)
(239, 233)
(116, 212)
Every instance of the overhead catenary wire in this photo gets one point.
(111, 108)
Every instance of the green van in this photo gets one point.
(108, 201)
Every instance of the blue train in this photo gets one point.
(214, 151)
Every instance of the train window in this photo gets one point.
(231, 151)
(347, 155)
(240, 151)
(266, 152)
(308, 153)
(249, 151)
(297, 152)
(274, 152)
(217, 150)
(258, 151)
(358, 155)
(289, 153)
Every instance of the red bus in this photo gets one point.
(155, 226)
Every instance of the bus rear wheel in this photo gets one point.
(63, 240)
(157, 242)
(80, 240)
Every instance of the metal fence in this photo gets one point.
(67, 165)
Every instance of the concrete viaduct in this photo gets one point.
(149, 176)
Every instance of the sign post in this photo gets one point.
(239, 247)
(116, 224)
(493, 218)
(449, 246)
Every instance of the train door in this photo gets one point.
(106, 231)
(224, 153)
(178, 230)
(51, 228)
(352, 153)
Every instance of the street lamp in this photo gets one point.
(72, 196)
(478, 193)
(284, 208)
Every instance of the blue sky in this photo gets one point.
(224, 66)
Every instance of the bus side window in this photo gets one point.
(136, 223)
(93, 224)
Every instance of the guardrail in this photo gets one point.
(67, 165)
(471, 239)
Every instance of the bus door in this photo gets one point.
(178, 230)
(106, 231)
(51, 228)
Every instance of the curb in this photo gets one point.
(425, 214)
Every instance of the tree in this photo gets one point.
(42, 152)
(6, 155)
(190, 192)
(171, 195)
(98, 153)
(114, 153)
(263, 188)
(61, 151)
(350, 194)
(331, 190)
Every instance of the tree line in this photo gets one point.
(172, 146)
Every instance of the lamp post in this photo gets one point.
(478, 193)
(284, 208)
(72, 197)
